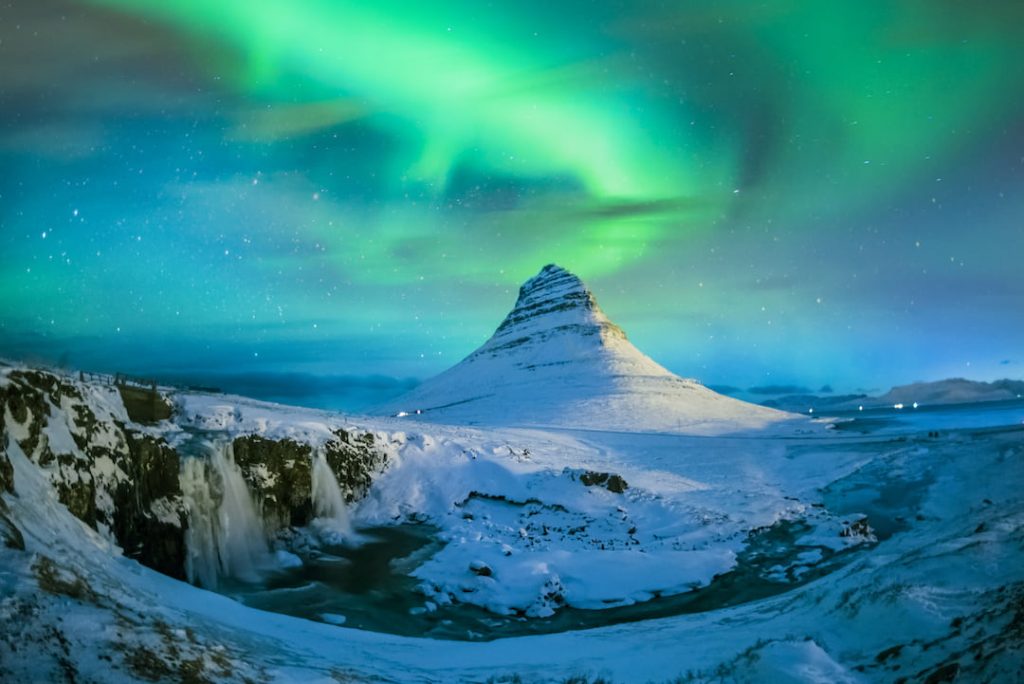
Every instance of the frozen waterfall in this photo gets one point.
(328, 501)
(225, 536)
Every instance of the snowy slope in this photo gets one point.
(508, 497)
(939, 599)
(557, 360)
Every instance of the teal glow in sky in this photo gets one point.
(759, 193)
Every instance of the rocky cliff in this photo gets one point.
(122, 477)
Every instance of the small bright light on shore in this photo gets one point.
(915, 404)
(810, 410)
(860, 408)
(897, 406)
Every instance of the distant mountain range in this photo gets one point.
(951, 391)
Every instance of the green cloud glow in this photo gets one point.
(475, 94)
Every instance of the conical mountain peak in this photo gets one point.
(553, 285)
(552, 278)
(556, 360)
(553, 302)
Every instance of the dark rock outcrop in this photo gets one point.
(30, 397)
(144, 405)
(355, 458)
(110, 477)
(6, 469)
(10, 535)
(591, 478)
(278, 472)
(149, 520)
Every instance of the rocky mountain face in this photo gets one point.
(122, 478)
(555, 316)
(557, 360)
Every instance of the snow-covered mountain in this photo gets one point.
(557, 360)
(953, 391)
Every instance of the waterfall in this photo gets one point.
(328, 501)
(200, 538)
(225, 536)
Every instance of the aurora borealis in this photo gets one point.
(759, 193)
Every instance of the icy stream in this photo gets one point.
(368, 587)
(368, 584)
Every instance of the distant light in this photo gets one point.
(897, 406)
(401, 414)
(860, 408)
(810, 410)
(915, 404)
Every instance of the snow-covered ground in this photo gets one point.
(525, 514)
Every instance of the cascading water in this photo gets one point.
(200, 538)
(328, 501)
(225, 536)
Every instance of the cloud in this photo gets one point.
(779, 389)
(272, 123)
(59, 140)
(335, 392)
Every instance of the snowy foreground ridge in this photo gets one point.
(557, 361)
(674, 535)
(927, 586)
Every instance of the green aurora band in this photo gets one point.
(340, 187)
(647, 131)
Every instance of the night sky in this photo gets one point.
(316, 200)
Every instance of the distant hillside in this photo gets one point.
(801, 403)
(951, 391)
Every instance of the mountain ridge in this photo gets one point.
(948, 391)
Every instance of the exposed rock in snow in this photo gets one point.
(111, 473)
(124, 479)
(557, 360)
